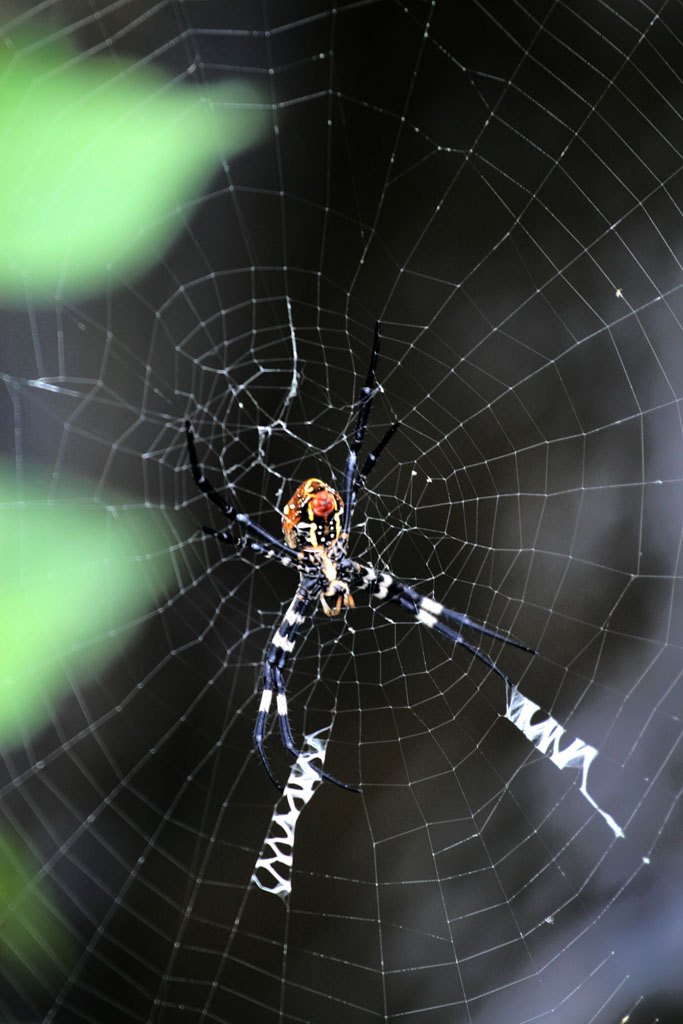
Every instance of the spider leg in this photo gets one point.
(261, 719)
(281, 646)
(431, 613)
(288, 739)
(374, 455)
(459, 639)
(367, 393)
(227, 538)
(201, 481)
(288, 559)
(277, 548)
(353, 480)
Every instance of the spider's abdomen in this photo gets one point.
(312, 516)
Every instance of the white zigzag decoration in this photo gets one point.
(546, 735)
(273, 869)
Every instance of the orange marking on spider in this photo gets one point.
(312, 517)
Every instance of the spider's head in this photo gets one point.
(312, 516)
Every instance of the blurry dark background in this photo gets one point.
(501, 186)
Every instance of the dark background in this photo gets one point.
(484, 179)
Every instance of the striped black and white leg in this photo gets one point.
(281, 646)
(261, 719)
(426, 613)
(287, 558)
(385, 587)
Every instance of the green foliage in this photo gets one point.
(96, 157)
(33, 936)
(77, 577)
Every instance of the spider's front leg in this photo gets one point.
(268, 545)
(353, 478)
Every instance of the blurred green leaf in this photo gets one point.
(96, 157)
(33, 936)
(75, 579)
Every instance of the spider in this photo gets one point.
(316, 524)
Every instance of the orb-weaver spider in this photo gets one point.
(316, 524)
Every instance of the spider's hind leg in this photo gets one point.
(288, 739)
(260, 727)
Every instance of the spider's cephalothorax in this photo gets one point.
(316, 523)
(311, 522)
(312, 516)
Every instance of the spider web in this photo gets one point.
(500, 185)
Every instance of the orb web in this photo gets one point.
(501, 186)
